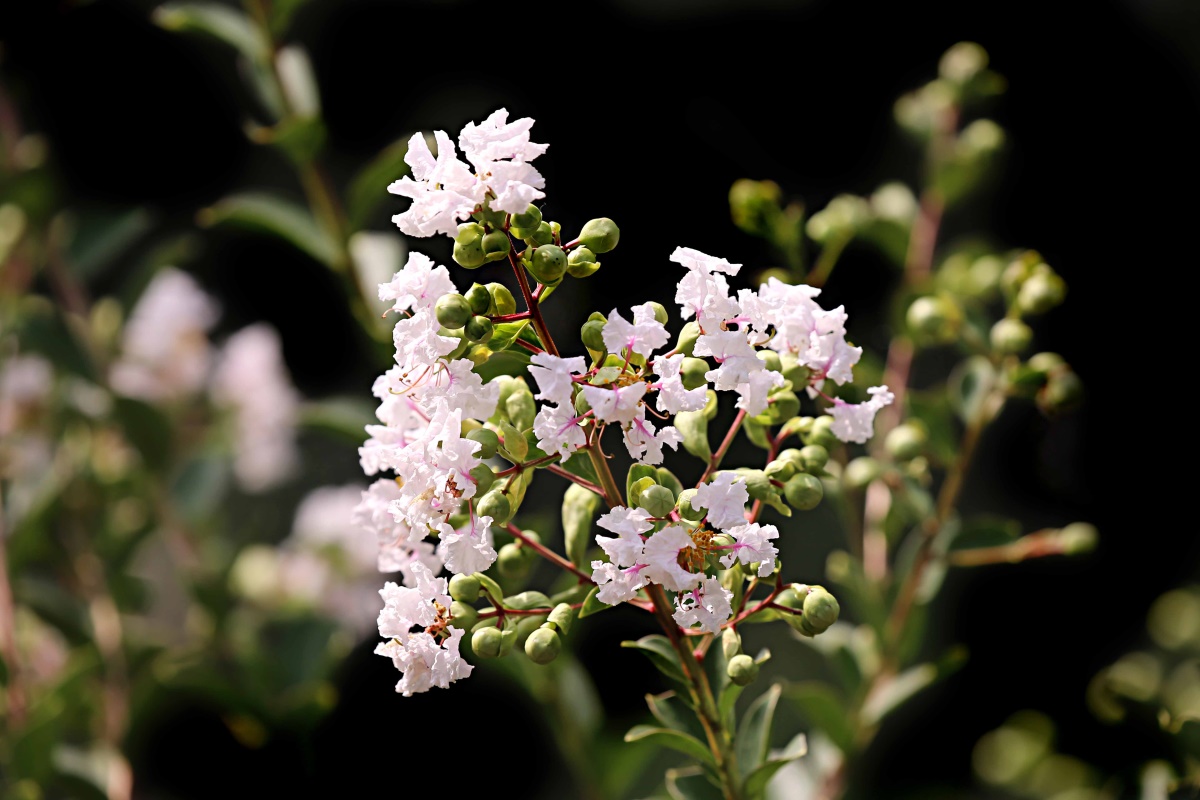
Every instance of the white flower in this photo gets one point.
(707, 607)
(753, 392)
(553, 376)
(855, 422)
(642, 336)
(625, 548)
(165, 353)
(515, 185)
(618, 404)
(468, 549)
(443, 190)
(459, 387)
(661, 555)
(617, 585)
(405, 608)
(645, 444)
(557, 430)
(425, 663)
(418, 284)
(418, 343)
(252, 379)
(496, 138)
(704, 292)
(433, 469)
(725, 498)
(752, 542)
(672, 396)
(393, 539)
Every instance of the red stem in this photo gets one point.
(548, 554)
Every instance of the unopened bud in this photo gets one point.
(600, 235)
(561, 617)
(495, 505)
(592, 335)
(780, 469)
(657, 501)
(1011, 336)
(468, 245)
(496, 246)
(821, 433)
(502, 299)
(521, 409)
(731, 643)
(688, 334)
(962, 62)
(511, 561)
(771, 360)
(483, 476)
(1062, 392)
(463, 615)
(542, 234)
(821, 610)
(906, 441)
(660, 312)
(548, 264)
(933, 320)
(813, 458)
(487, 642)
(479, 329)
(543, 646)
(683, 504)
(1042, 291)
(465, 588)
(754, 204)
(741, 669)
(479, 298)
(488, 441)
(581, 263)
(692, 371)
(452, 310)
(803, 491)
(528, 219)
(861, 471)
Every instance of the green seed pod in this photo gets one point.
(803, 491)
(813, 458)
(512, 562)
(548, 264)
(561, 617)
(488, 441)
(496, 246)
(1043, 290)
(502, 299)
(821, 433)
(600, 235)
(543, 645)
(465, 588)
(741, 669)
(821, 610)
(731, 643)
(933, 320)
(683, 504)
(905, 442)
(464, 616)
(688, 334)
(486, 642)
(1011, 337)
(495, 505)
(771, 359)
(780, 469)
(656, 500)
(592, 335)
(530, 218)
(479, 329)
(452, 310)
(521, 409)
(861, 471)
(692, 371)
(479, 299)
(582, 263)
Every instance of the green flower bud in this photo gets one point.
(1078, 537)
(521, 409)
(771, 359)
(543, 645)
(452, 310)
(592, 335)
(1046, 363)
(1063, 392)
(581, 263)
(905, 442)
(468, 245)
(479, 329)
(683, 504)
(511, 561)
(530, 218)
(488, 441)
(465, 588)
(495, 505)
(754, 205)
(821, 433)
(821, 610)
(741, 669)
(660, 312)
(688, 334)
(731, 643)
(542, 234)
(561, 617)
(637, 487)
(582, 406)
(548, 264)
(1011, 336)
(667, 478)
(469, 233)
(691, 372)
(486, 642)
(600, 235)
(502, 299)
(793, 455)
(962, 62)
(758, 485)
(934, 320)
(490, 218)
(657, 500)
(813, 458)
(793, 370)
(784, 405)
(803, 491)
(479, 299)
(780, 469)
(1042, 291)
(861, 471)
(464, 616)
(496, 246)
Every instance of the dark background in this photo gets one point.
(652, 110)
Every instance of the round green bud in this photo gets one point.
(469, 233)
(592, 335)
(469, 255)
(494, 505)
(530, 218)
(813, 458)
(465, 588)
(660, 312)
(803, 491)
(731, 643)
(561, 617)
(683, 504)
(463, 341)
(483, 476)
(582, 406)
(771, 359)
(464, 616)
(479, 299)
(542, 234)
(488, 441)
(861, 471)
(479, 329)
(600, 235)
(1046, 363)
(792, 597)
(1063, 392)
(543, 645)
(1078, 537)
(496, 246)
(793, 370)
(512, 562)
(780, 469)
(821, 433)
(502, 299)
(521, 409)
(688, 334)
(793, 455)
(962, 62)
(486, 642)
(741, 669)
(905, 442)
(933, 320)
(821, 610)
(582, 263)
(657, 501)
(452, 310)
(1041, 292)
(548, 264)
(1011, 336)
(784, 405)
(692, 371)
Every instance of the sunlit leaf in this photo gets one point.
(676, 740)
(276, 216)
(659, 650)
(756, 782)
(754, 733)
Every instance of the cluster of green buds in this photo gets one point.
(540, 622)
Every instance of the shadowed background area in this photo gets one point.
(652, 110)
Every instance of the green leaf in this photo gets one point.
(100, 239)
(579, 464)
(676, 740)
(147, 428)
(578, 509)
(728, 702)
(369, 187)
(754, 734)
(592, 605)
(276, 216)
(691, 784)
(223, 23)
(822, 706)
(756, 781)
(903, 687)
(513, 361)
(660, 652)
(757, 433)
(693, 427)
(504, 334)
(970, 384)
(671, 710)
(343, 417)
(986, 531)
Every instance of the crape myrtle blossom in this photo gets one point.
(397, 545)
(708, 607)
(855, 422)
(423, 660)
(673, 397)
(752, 543)
(468, 549)
(645, 443)
(556, 424)
(725, 499)
(642, 336)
